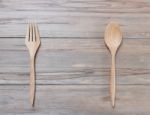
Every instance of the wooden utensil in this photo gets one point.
(113, 39)
(32, 42)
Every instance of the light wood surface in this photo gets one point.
(73, 64)
(75, 100)
(113, 39)
(32, 42)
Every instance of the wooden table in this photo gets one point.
(73, 62)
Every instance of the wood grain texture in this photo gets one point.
(75, 18)
(75, 100)
(73, 62)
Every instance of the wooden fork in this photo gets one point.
(32, 42)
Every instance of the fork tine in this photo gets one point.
(30, 32)
(37, 33)
(34, 33)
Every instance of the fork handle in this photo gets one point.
(113, 82)
(32, 81)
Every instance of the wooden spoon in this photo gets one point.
(113, 38)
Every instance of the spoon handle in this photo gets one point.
(113, 82)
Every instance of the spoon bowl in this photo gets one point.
(113, 36)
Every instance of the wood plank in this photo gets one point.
(81, 5)
(74, 61)
(75, 18)
(74, 100)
